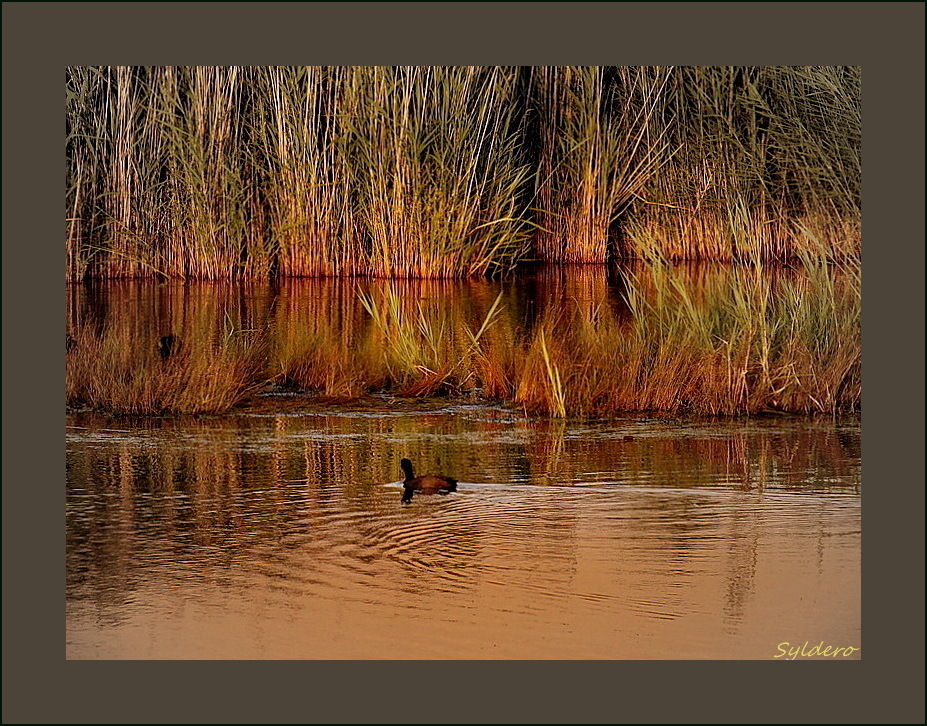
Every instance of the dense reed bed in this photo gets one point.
(765, 164)
(737, 342)
(600, 140)
(160, 177)
(229, 173)
(658, 337)
(438, 169)
(256, 172)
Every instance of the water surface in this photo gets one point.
(276, 532)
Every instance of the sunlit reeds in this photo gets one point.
(256, 172)
(300, 153)
(113, 374)
(437, 168)
(758, 155)
(160, 181)
(224, 173)
(599, 144)
(424, 350)
(118, 364)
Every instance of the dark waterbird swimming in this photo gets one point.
(427, 484)
(167, 345)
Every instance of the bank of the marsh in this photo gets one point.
(581, 341)
(256, 172)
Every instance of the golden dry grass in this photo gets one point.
(719, 340)
(418, 171)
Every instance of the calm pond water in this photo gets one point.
(276, 531)
(281, 535)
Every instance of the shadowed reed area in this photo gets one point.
(410, 171)
(566, 341)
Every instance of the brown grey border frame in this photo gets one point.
(886, 39)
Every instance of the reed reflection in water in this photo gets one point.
(588, 341)
(277, 532)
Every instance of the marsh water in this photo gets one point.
(275, 531)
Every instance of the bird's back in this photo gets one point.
(432, 483)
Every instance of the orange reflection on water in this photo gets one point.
(281, 535)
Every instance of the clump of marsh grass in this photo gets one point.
(110, 215)
(731, 343)
(437, 169)
(299, 135)
(756, 153)
(424, 350)
(552, 398)
(213, 224)
(744, 345)
(321, 362)
(314, 347)
(116, 371)
(159, 181)
(400, 338)
(598, 146)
